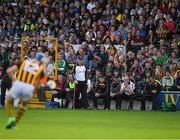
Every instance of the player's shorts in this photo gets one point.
(23, 90)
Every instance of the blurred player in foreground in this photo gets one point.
(24, 85)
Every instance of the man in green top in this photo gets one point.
(61, 64)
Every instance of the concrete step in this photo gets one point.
(36, 106)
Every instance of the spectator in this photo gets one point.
(148, 31)
(177, 81)
(50, 67)
(115, 90)
(60, 91)
(61, 64)
(161, 30)
(168, 81)
(136, 70)
(69, 89)
(159, 72)
(171, 26)
(127, 92)
(151, 88)
(103, 59)
(101, 92)
(81, 87)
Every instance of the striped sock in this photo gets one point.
(9, 107)
(19, 114)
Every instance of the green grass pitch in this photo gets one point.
(83, 124)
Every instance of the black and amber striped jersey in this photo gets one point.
(30, 71)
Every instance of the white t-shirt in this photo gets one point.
(124, 89)
(80, 72)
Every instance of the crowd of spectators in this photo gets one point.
(147, 32)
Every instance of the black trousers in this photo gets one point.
(127, 97)
(105, 98)
(117, 99)
(59, 95)
(69, 96)
(41, 93)
(151, 96)
(4, 86)
(81, 88)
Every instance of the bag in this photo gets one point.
(168, 107)
(51, 104)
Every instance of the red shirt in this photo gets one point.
(171, 25)
(60, 86)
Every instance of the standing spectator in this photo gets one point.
(81, 87)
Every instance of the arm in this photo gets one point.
(10, 72)
(111, 88)
(122, 89)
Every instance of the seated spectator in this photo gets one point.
(136, 70)
(90, 87)
(70, 67)
(151, 38)
(177, 80)
(101, 92)
(137, 42)
(160, 59)
(61, 64)
(93, 57)
(168, 81)
(129, 60)
(70, 87)
(151, 88)
(170, 25)
(159, 73)
(148, 70)
(50, 67)
(115, 90)
(103, 58)
(127, 92)
(161, 30)
(60, 91)
(95, 77)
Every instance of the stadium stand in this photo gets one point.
(136, 38)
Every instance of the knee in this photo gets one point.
(22, 106)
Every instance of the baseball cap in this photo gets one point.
(40, 56)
